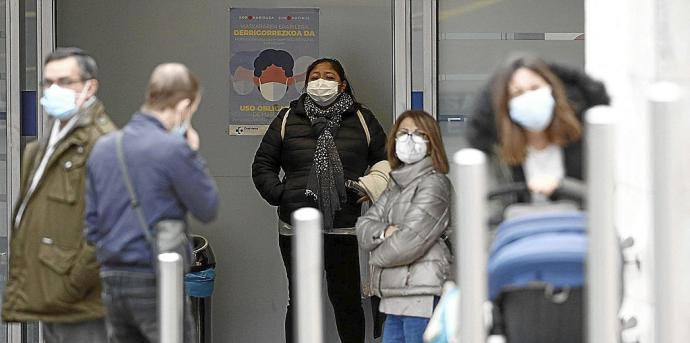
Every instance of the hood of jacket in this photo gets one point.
(404, 175)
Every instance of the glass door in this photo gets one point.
(475, 36)
(455, 45)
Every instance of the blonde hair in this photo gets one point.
(169, 84)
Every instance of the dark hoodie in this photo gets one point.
(583, 93)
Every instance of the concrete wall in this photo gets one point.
(647, 42)
(128, 38)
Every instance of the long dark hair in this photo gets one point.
(335, 64)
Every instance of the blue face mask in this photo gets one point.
(533, 110)
(61, 103)
(181, 130)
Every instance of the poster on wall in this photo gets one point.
(270, 50)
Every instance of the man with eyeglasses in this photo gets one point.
(54, 275)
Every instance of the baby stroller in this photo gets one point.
(536, 267)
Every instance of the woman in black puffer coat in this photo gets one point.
(573, 93)
(326, 143)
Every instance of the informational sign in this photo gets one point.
(270, 50)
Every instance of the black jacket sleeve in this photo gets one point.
(582, 90)
(482, 133)
(377, 146)
(267, 165)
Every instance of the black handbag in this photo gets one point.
(169, 235)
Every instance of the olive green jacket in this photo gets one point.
(53, 275)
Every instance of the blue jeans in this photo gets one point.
(404, 329)
(131, 308)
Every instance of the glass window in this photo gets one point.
(474, 37)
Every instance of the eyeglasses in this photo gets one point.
(418, 137)
(62, 82)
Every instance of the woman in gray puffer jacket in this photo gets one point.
(404, 229)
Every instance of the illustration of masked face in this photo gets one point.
(301, 65)
(242, 81)
(273, 83)
(273, 91)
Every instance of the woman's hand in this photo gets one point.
(543, 184)
(390, 230)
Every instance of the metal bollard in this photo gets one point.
(170, 298)
(470, 238)
(669, 151)
(603, 252)
(308, 274)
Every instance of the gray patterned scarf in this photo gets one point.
(326, 183)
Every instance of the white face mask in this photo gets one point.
(410, 151)
(533, 110)
(323, 92)
(273, 91)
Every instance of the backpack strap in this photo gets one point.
(282, 126)
(364, 126)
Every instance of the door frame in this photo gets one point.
(402, 56)
(45, 43)
(403, 46)
(13, 127)
(430, 60)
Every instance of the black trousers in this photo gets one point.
(341, 262)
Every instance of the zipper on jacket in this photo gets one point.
(380, 277)
(370, 286)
